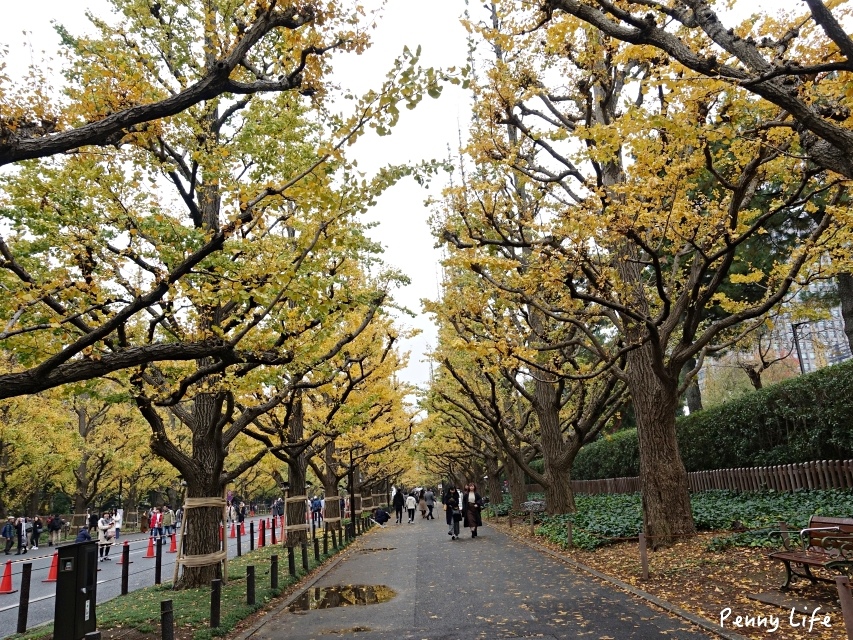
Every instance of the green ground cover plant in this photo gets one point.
(746, 518)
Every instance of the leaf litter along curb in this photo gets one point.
(703, 582)
(136, 616)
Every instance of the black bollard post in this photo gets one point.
(317, 550)
(334, 540)
(215, 602)
(273, 531)
(125, 568)
(158, 564)
(252, 535)
(304, 546)
(326, 542)
(250, 585)
(274, 572)
(263, 526)
(239, 544)
(24, 603)
(167, 620)
(291, 561)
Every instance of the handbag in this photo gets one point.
(457, 515)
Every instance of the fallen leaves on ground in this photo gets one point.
(706, 583)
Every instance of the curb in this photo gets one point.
(707, 625)
(265, 619)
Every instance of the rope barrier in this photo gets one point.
(296, 498)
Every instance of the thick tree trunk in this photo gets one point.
(845, 292)
(297, 468)
(665, 494)
(515, 479)
(204, 480)
(201, 535)
(493, 482)
(556, 454)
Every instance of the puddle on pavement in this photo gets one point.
(341, 596)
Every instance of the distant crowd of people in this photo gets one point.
(27, 532)
(460, 506)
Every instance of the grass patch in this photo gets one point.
(140, 610)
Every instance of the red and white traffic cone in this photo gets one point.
(242, 528)
(173, 548)
(233, 533)
(6, 582)
(121, 555)
(150, 552)
(54, 568)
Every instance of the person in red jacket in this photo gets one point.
(156, 523)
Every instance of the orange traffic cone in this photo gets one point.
(233, 533)
(261, 534)
(173, 548)
(54, 567)
(6, 582)
(121, 555)
(269, 524)
(150, 552)
(242, 528)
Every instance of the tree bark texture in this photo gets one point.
(663, 479)
(845, 292)
(556, 452)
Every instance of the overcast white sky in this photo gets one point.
(424, 133)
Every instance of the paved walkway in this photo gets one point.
(488, 587)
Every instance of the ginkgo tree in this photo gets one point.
(250, 47)
(646, 192)
(797, 58)
(67, 309)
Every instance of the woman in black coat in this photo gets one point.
(451, 504)
(398, 502)
(472, 502)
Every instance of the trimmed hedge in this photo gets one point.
(806, 418)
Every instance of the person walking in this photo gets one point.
(168, 523)
(35, 533)
(422, 504)
(241, 513)
(429, 498)
(118, 519)
(8, 534)
(106, 533)
(156, 524)
(451, 512)
(472, 502)
(21, 530)
(54, 529)
(93, 521)
(398, 503)
(411, 505)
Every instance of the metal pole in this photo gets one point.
(274, 571)
(24, 603)
(167, 620)
(252, 535)
(250, 585)
(291, 561)
(125, 568)
(239, 543)
(215, 602)
(158, 561)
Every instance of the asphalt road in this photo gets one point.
(42, 594)
(488, 587)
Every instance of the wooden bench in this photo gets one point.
(827, 543)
